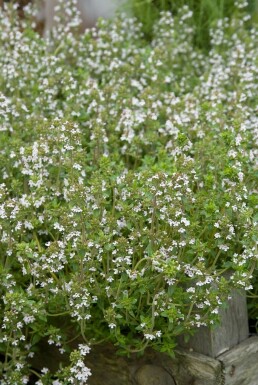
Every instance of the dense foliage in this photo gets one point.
(127, 184)
(205, 14)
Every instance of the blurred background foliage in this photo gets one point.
(205, 14)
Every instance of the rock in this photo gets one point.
(153, 375)
(107, 367)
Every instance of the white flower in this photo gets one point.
(224, 247)
(190, 290)
(84, 349)
(77, 166)
(149, 336)
(80, 372)
(28, 319)
(56, 382)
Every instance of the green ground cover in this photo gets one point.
(127, 185)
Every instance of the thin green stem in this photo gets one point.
(58, 314)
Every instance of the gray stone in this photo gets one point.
(153, 375)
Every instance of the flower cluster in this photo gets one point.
(127, 185)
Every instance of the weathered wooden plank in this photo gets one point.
(189, 368)
(232, 330)
(241, 363)
(202, 369)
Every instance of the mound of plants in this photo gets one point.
(205, 14)
(127, 184)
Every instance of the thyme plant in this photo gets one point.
(127, 184)
(205, 14)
